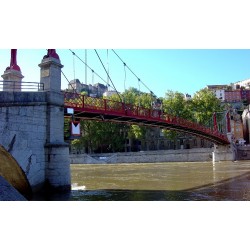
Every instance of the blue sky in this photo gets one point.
(183, 70)
(179, 45)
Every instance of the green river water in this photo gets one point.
(171, 181)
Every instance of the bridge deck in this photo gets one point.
(107, 110)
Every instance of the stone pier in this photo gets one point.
(57, 172)
(225, 152)
(32, 130)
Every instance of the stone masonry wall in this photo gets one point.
(23, 131)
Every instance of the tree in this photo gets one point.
(89, 136)
(170, 134)
(137, 132)
(100, 137)
(175, 104)
(204, 104)
(135, 97)
(109, 136)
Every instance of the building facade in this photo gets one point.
(95, 90)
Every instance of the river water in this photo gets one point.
(171, 181)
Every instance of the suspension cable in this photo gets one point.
(125, 76)
(74, 73)
(93, 72)
(151, 92)
(108, 75)
(87, 66)
(108, 65)
(69, 82)
(93, 77)
(139, 91)
(86, 73)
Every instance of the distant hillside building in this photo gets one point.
(233, 92)
(95, 90)
(217, 86)
(233, 95)
(75, 85)
(219, 91)
(245, 84)
(220, 94)
(238, 96)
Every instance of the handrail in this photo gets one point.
(19, 86)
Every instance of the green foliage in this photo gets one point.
(204, 104)
(145, 100)
(67, 128)
(77, 143)
(137, 132)
(84, 92)
(175, 104)
(170, 134)
(100, 136)
(134, 97)
(199, 109)
(131, 96)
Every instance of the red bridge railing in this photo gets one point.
(105, 106)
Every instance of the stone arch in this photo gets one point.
(13, 173)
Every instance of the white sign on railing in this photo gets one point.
(75, 128)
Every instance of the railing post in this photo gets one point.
(105, 104)
(159, 113)
(123, 108)
(83, 99)
(10, 77)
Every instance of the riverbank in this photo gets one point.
(181, 155)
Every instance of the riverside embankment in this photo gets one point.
(181, 155)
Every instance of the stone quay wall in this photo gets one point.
(181, 155)
(243, 152)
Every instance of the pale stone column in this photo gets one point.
(57, 172)
(12, 80)
(224, 153)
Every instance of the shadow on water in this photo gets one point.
(52, 196)
(231, 189)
